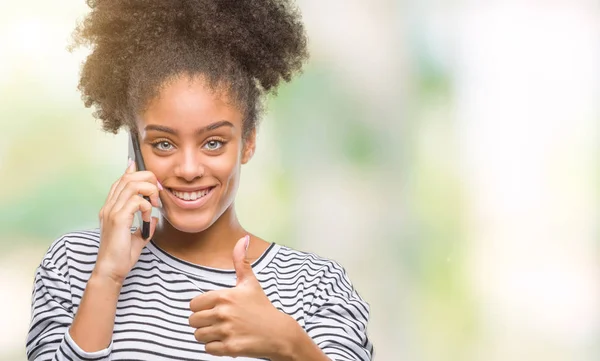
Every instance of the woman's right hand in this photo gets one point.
(119, 248)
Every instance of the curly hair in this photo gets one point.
(246, 47)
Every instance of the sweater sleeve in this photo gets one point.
(338, 323)
(51, 317)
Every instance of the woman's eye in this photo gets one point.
(164, 146)
(213, 144)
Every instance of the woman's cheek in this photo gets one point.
(225, 165)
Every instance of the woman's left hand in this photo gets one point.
(241, 321)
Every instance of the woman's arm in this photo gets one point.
(242, 321)
(119, 250)
(336, 330)
(92, 328)
(339, 318)
(55, 330)
(296, 345)
(52, 315)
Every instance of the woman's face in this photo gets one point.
(191, 139)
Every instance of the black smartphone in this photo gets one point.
(136, 154)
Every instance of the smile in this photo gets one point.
(190, 199)
(191, 196)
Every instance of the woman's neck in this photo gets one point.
(210, 248)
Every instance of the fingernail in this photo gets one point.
(129, 162)
(247, 242)
(159, 185)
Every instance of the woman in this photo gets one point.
(188, 77)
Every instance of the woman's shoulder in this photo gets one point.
(289, 258)
(76, 244)
(325, 279)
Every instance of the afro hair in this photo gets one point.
(246, 47)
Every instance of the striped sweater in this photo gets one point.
(151, 321)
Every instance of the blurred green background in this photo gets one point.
(444, 152)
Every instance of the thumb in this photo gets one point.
(243, 269)
(153, 224)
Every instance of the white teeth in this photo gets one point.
(190, 196)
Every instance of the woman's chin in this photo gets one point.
(189, 223)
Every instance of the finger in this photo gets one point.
(243, 268)
(204, 301)
(107, 203)
(220, 348)
(208, 334)
(144, 176)
(112, 190)
(204, 318)
(130, 165)
(153, 225)
(135, 204)
(135, 189)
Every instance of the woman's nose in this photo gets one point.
(189, 165)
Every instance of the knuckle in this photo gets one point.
(139, 201)
(198, 334)
(117, 218)
(216, 349)
(232, 347)
(221, 312)
(194, 304)
(223, 297)
(145, 175)
(150, 175)
(125, 178)
(113, 217)
(145, 205)
(227, 329)
(113, 221)
(132, 187)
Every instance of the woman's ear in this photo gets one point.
(249, 147)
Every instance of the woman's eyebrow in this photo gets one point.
(212, 126)
(215, 125)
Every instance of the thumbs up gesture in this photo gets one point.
(241, 321)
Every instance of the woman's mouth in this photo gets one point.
(192, 198)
